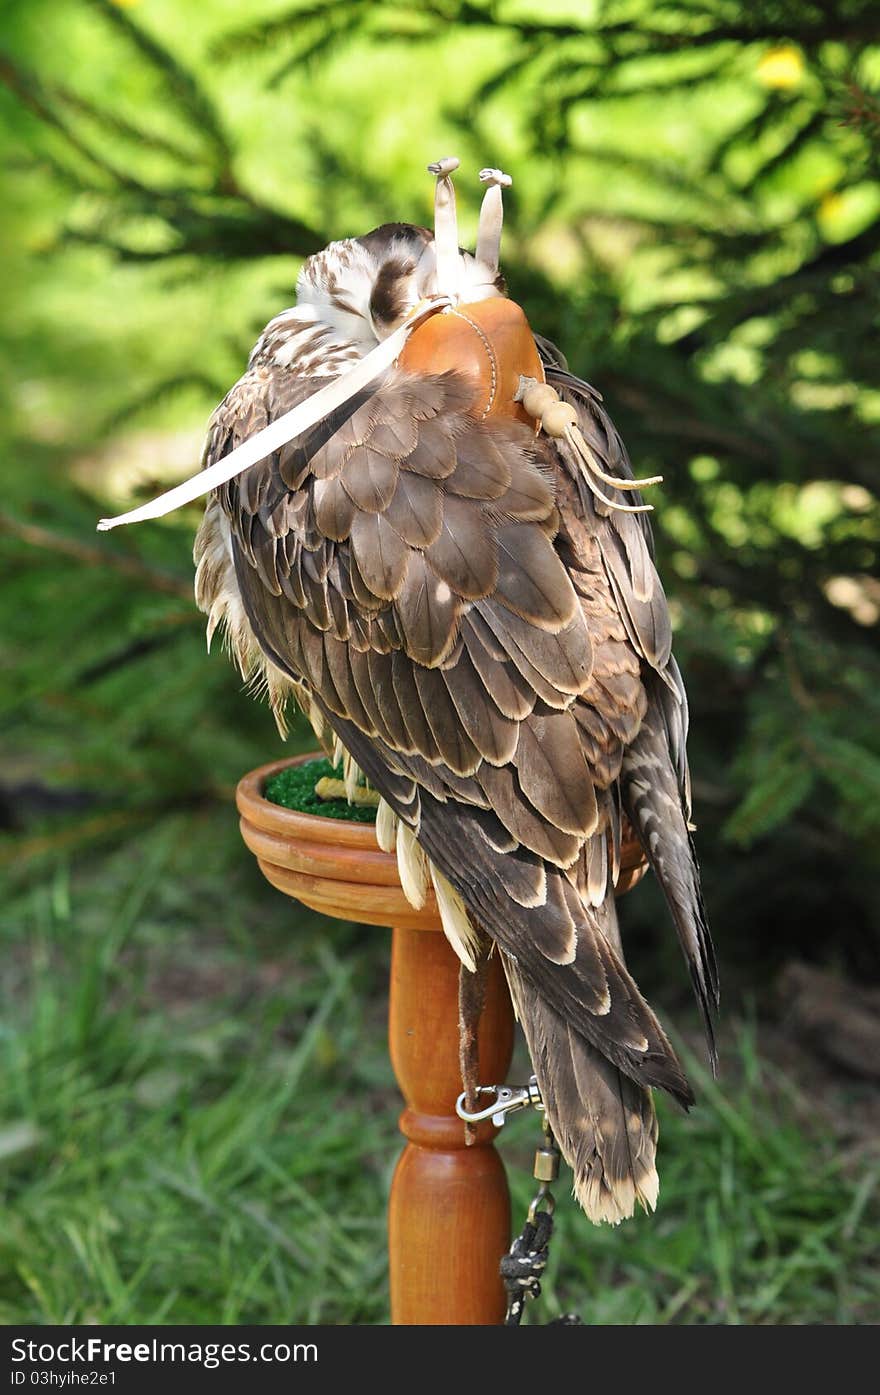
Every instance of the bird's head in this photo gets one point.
(365, 287)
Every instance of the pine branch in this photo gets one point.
(89, 555)
(187, 92)
(33, 96)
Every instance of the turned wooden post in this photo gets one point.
(449, 1212)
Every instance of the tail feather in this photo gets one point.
(656, 807)
(604, 1122)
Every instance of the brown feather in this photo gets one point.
(557, 938)
(530, 495)
(293, 463)
(603, 751)
(494, 737)
(454, 745)
(344, 432)
(381, 554)
(528, 827)
(427, 613)
(338, 609)
(409, 701)
(532, 581)
(289, 573)
(395, 436)
(266, 563)
(317, 606)
(435, 456)
(553, 774)
(603, 1122)
(481, 471)
(416, 509)
(364, 598)
(359, 665)
(386, 623)
(503, 682)
(317, 564)
(464, 555)
(370, 479)
(382, 681)
(497, 837)
(334, 509)
(647, 622)
(563, 661)
(337, 657)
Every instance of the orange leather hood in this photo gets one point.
(489, 342)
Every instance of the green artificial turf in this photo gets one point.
(294, 788)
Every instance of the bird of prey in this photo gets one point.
(450, 568)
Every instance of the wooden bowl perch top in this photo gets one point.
(331, 865)
(337, 867)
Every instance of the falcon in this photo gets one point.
(424, 528)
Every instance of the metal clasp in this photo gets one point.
(546, 1170)
(507, 1099)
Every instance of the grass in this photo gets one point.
(758, 1221)
(198, 1125)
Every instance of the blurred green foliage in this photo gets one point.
(695, 220)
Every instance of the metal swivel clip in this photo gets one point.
(546, 1170)
(507, 1100)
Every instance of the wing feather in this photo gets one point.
(381, 555)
